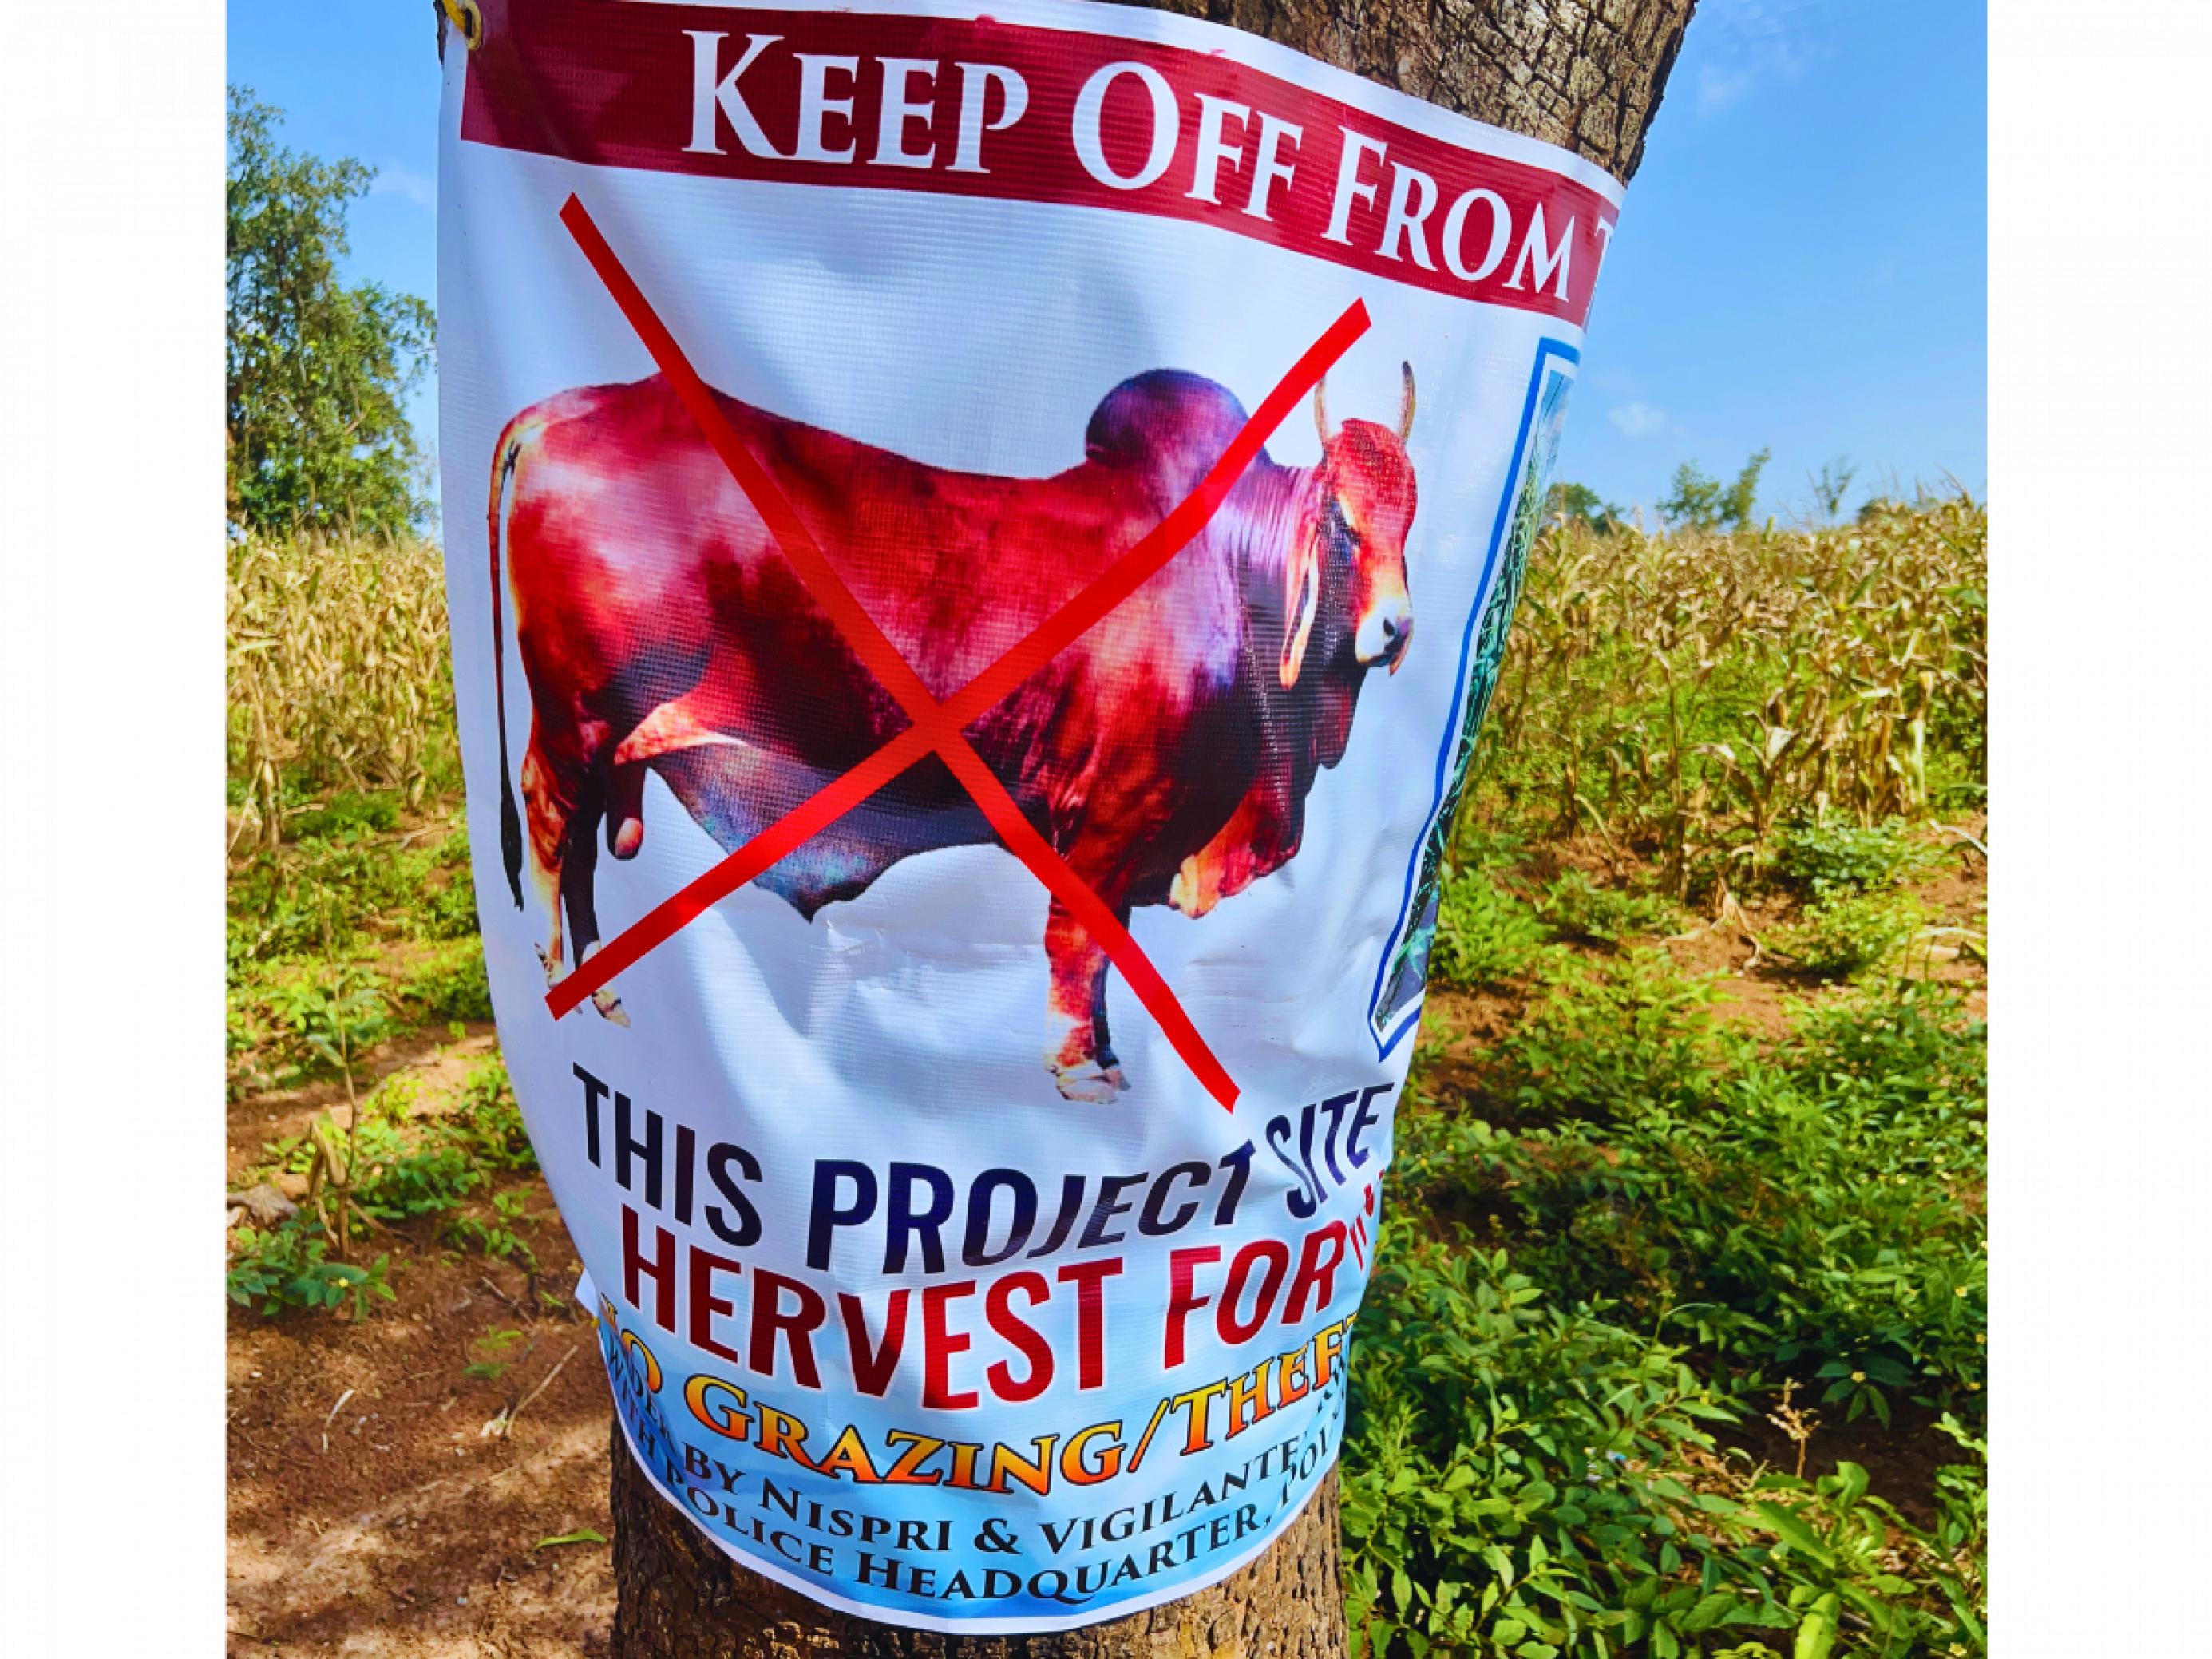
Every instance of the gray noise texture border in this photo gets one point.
(2101, 474)
(111, 863)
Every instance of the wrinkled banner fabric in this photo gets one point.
(979, 548)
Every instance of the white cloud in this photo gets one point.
(1638, 419)
(395, 180)
(1717, 89)
(1754, 40)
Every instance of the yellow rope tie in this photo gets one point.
(464, 15)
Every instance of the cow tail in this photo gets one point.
(504, 457)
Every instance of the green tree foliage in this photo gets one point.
(1831, 484)
(1575, 501)
(1699, 502)
(316, 373)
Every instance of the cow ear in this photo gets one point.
(1301, 600)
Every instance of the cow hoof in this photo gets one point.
(611, 1008)
(552, 968)
(1088, 1083)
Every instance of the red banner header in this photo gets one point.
(990, 109)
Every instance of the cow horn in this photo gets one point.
(1320, 409)
(1405, 404)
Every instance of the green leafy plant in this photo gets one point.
(1827, 854)
(450, 912)
(1813, 1210)
(1483, 934)
(492, 1344)
(451, 985)
(488, 1124)
(419, 1181)
(1602, 1040)
(288, 1266)
(348, 815)
(1849, 935)
(495, 1236)
(1523, 1477)
(1575, 904)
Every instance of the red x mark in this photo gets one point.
(937, 727)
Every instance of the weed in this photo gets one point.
(1576, 905)
(392, 1102)
(1484, 935)
(450, 912)
(287, 1266)
(451, 985)
(348, 815)
(493, 1343)
(488, 1125)
(395, 1167)
(1524, 1477)
(1849, 935)
(1827, 854)
(496, 1236)
(419, 1181)
(1604, 1042)
(1814, 1210)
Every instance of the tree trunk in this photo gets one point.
(679, 1597)
(1587, 75)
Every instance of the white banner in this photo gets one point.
(978, 547)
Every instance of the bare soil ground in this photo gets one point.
(379, 1504)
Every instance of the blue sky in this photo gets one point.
(1801, 263)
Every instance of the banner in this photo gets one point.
(979, 545)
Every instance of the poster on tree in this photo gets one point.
(979, 544)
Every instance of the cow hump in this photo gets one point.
(1172, 424)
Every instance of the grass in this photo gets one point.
(1627, 1237)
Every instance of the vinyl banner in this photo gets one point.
(979, 544)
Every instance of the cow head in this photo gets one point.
(1363, 507)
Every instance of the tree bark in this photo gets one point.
(679, 1597)
(1587, 75)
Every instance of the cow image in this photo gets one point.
(1165, 754)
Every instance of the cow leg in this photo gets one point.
(550, 797)
(626, 811)
(1109, 1061)
(1083, 1067)
(576, 898)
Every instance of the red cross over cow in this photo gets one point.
(1166, 755)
